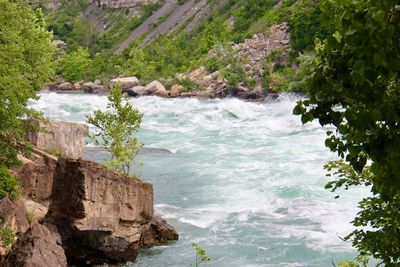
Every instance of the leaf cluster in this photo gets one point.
(26, 63)
(115, 130)
(7, 238)
(353, 84)
(201, 254)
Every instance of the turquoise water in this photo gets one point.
(244, 180)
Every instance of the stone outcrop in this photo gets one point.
(36, 176)
(60, 138)
(93, 88)
(35, 211)
(65, 86)
(157, 232)
(103, 214)
(13, 215)
(39, 246)
(136, 91)
(257, 48)
(156, 88)
(176, 90)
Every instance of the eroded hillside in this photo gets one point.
(166, 40)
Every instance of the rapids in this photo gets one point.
(244, 180)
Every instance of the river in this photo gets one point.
(244, 180)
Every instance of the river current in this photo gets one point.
(244, 180)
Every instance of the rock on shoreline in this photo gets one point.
(80, 212)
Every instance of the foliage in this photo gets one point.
(306, 25)
(74, 66)
(8, 184)
(348, 264)
(116, 127)
(247, 13)
(7, 238)
(26, 55)
(234, 74)
(201, 254)
(61, 21)
(281, 80)
(354, 85)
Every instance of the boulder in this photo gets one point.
(98, 212)
(241, 88)
(36, 177)
(203, 94)
(157, 232)
(39, 246)
(198, 73)
(13, 215)
(156, 88)
(35, 211)
(97, 81)
(65, 86)
(248, 95)
(136, 91)
(77, 86)
(59, 44)
(62, 138)
(207, 80)
(92, 88)
(176, 90)
(126, 83)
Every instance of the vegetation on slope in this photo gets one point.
(26, 56)
(181, 51)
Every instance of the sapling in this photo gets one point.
(116, 128)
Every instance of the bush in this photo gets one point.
(306, 25)
(116, 128)
(8, 184)
(73, 66)
(7, 238)
(234, 74)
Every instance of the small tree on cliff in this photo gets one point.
(116, 128)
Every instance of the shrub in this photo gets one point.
(7, 238)
(234, 74)
(8, 184)
(73, 66)
(116, 127)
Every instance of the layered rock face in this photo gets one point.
(13, 215)
(39, 246)
(62, 138)
(36, 176)
(102, 216)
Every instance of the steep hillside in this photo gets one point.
(166, 39)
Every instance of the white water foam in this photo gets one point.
(245, 180)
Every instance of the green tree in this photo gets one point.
(306, 25)
(74, 66)
(354, 85)
(26, 63)
(116, 128)
(201, 254)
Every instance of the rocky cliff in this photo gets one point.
(94, 215)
